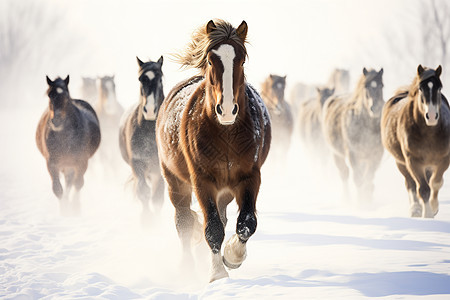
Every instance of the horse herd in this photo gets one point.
(212, 133)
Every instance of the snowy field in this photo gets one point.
(309, 243)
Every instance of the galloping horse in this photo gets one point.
(213, 134)
(415, 129)
(109, 112)
(351, 127)
(282, 121)
(137, 137)
(67, 135)
(309, 123)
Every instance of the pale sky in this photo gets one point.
(304, 40)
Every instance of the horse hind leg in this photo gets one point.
(186, 220)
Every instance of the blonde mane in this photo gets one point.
(359, 96)
(195, 53)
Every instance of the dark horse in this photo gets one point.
(213, 134)
(68, 134)
(137, 137)
(415, 129)
(351, 127)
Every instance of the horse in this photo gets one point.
(137, 138)
(282, 122)
(339, 81)
(309, 123)
(89, 89)
(213, 134)
(415, 129)
(351, 128)
(68, 134)
(109, 112)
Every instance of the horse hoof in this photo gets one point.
(230, 265)
(234, 252)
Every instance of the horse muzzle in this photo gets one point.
(431, 117)
(227, 117)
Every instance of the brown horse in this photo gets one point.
(67, 135)
(282, 121)
(213, 134)
(137, 138)
(109, 112)
(415, 129)
(351, 127)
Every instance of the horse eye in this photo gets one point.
(209, 62)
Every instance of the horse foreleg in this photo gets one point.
(214, 229)
(415, 206)
(56, 184)
(417, 172)
(142, 189)
(158, 191)
(436, 182)
(235, 250)
(344, 173)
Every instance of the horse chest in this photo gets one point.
(224, 154)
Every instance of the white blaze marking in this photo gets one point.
(279, 85)
(373, 84)
(226, 54)
(150, 107)
(150, 75)
(59, 90)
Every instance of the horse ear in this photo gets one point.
(160, 60)
(66, 81)
(242, 31)
(420, 70)
(365, 71)
(381, 71)
(439, 71)
(140, 62)
(49, 81)
(210, 27)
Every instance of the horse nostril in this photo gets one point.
(427, 116)
(145, 109)
(219, 109)
(437, 116)
(235, 109)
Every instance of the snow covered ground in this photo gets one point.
(309, 244)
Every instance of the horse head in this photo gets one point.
(58, 93)
(373, 89)
(324, 93)
(429, 91)
(152, 94)
(273, 90)
(224, 73)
